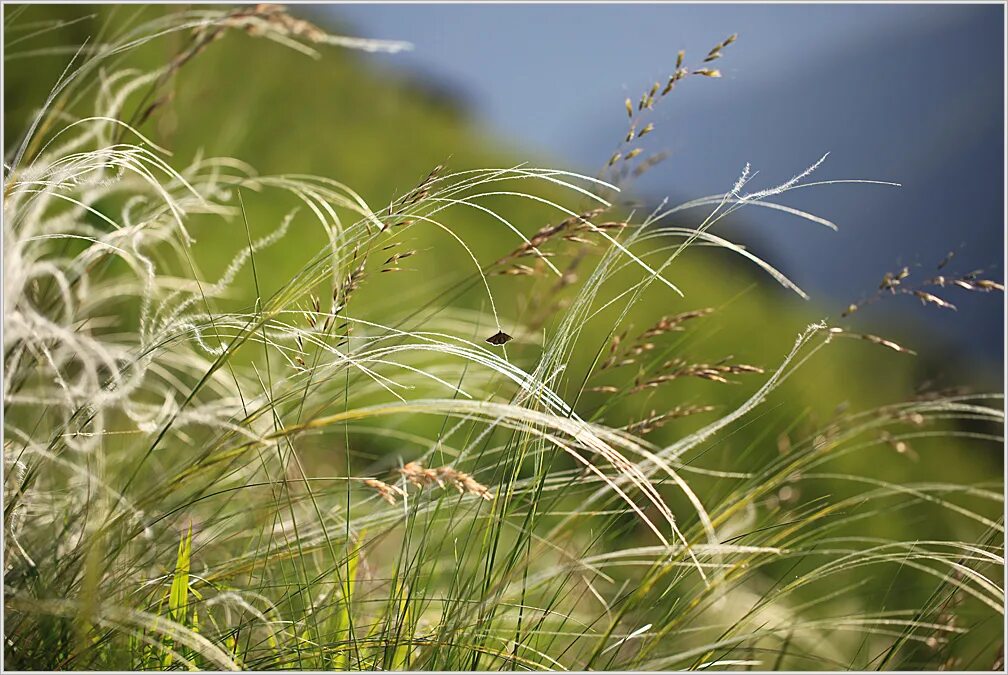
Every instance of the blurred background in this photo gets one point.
(906, 93)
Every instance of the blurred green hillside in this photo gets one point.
(343, 118)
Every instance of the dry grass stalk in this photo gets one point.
(264, 17)
(399, 206)
(874, 339)
(673, 324)
(656, 421)
(342, 293)
(545, 234)
(258, 20)
(678, 368)
(641, 344)
(647, 102)
(894, 283)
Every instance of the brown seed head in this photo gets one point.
(387, 492)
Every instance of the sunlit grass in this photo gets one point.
(314, 482)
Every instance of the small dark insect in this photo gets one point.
(499, 338)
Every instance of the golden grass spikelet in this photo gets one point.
(282, 22)
(641, 347)
(927, 298)
(387, 491)
(518, 270)
(610, 225)
(969, 283)
(399, 256)
(891, 281)
(715, 53)
(464, 483)
(415, 473)
(613, 348)
(421, 477)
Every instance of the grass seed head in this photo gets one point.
(989, 285)
(390, 493)
(929, 299)
(415, 473)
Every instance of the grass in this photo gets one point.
(338, 471)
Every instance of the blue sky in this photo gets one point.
(907, 93)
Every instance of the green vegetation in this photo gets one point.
(252, 418)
